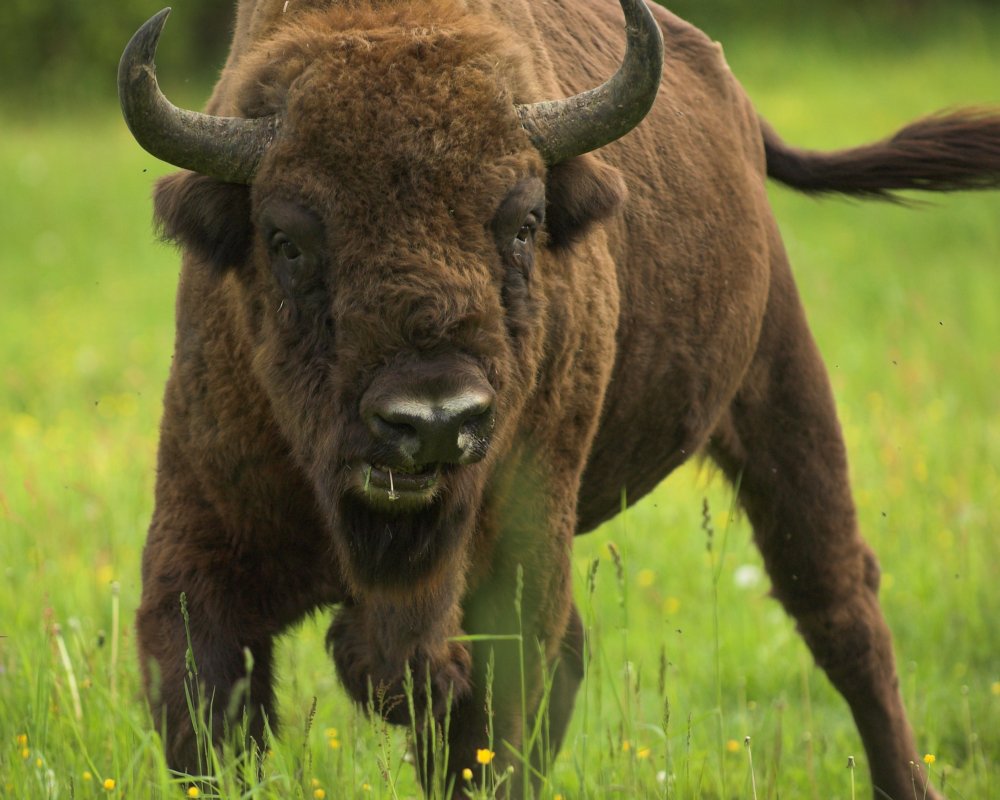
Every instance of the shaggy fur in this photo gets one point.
(618, 313)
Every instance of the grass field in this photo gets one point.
(688, 654)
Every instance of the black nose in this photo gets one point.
(448, 430)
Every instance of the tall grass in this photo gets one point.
(687, 656)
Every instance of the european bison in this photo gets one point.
(433, 321)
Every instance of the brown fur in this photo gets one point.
(653, 316)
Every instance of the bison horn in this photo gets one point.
(561, 129)
(229, 148)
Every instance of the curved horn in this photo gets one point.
(229, 148)
(561, 129)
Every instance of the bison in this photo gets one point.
(458, 276)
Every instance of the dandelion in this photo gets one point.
(87, 777)
(484, 756)
(332, 738)
(319, 794)
(25, 753)
(193, 791)
(104, 574)
(733, 746)
(467, 774)
(109, 784)
(22, 739)
(314, 783)
(929, 758)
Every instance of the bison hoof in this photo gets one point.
(379, 683)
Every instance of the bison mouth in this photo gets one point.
(399, 524)
(399, 489)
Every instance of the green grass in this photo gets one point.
(904, 303)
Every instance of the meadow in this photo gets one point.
(697, 684)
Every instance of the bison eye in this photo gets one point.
(527, 229)
(282, 246)
(521, 251)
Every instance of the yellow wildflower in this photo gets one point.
(105, 574)
(22, 740)
(467, 774)
(331, 733)
(25, 752)
(995, 688)
(38, 762)
(626, 746)
(733, 746)
(109, 784)
(484, 756)
(319, 794)
(193, 791)
(645, 578)
(365, 787)
(643, 752)
(334, 744)
(929, 759)
(87, 776)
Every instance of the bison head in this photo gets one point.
(382, 206)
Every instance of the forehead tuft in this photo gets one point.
(377, 102)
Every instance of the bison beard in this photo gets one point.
(408, 200)
(399, 550)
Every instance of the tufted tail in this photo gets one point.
(947, 152)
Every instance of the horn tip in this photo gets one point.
(156, 22)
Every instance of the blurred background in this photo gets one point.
(65, 51)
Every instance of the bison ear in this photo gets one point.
(580, 192)
(206, 216)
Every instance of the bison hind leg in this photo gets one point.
(780, 443)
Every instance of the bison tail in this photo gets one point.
(946, 152)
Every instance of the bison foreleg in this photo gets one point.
(394, 651)
(527, 657)
(206, 684)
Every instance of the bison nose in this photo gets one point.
(450, 430)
